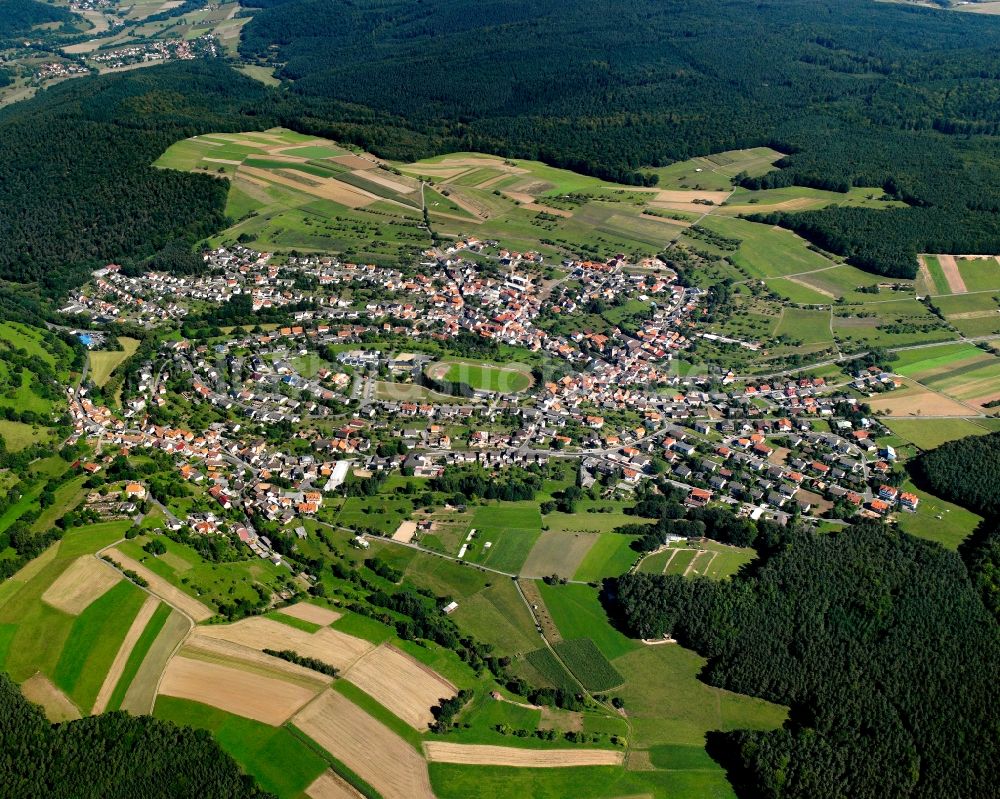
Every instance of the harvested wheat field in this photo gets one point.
(682, 196)
(243, 693)
(369, 749)
(916, 400)
(484, 755)
(405, 686)
(57, 706)
(118, 665)
(312, 613)
(327, 645)
(84, 580)
(353, 162)
(382, 179)
(170, 594)
(215, 650)
(329, 786)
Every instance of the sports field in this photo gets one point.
(505, 379)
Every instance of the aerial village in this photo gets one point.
(373, 377)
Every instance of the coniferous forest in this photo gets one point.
(876, 640)
(111, 756)
(856, 92)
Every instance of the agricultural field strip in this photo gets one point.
(368, 748)
(170, 594)
(256, 696)
(118, 665)
(488, 755)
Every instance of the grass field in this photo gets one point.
(931, 433)
(138, 654)
(274, 756)
(511, 529)
(804, 326)
(708, 559)
(93, 642)
(937, 520)
(483, 377)
(17, 435)
(74, 652)
(104, 363)
(211, 583)
(578, 613)
(610, 556)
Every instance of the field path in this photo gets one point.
(118, 665)
(950, 268)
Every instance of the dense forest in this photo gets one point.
(77, 188)
(878, 643)
(112, 756)
(967, 472)
(856, 92)
(20, 16)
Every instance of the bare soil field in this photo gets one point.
(330, 646)
(57, 706)
(313, 613)
(170, 594)
(681, 196)
(915, 400)
(118, 665)
(405, 532)
(85, 580)
(371, 750)
(951, 274)
(485, 755)
(329, 786)
(141, 693)
(403, 685)
(236, 691)
(353, 161)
